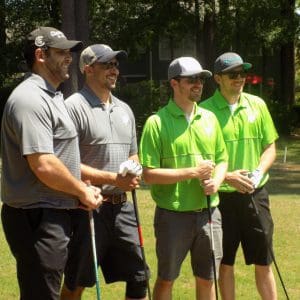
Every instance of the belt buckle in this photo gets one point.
(118, 198)
(115, 199)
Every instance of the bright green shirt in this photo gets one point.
(246, 132)
(170, 141)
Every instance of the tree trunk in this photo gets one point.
(209, 26)
(287, 74)
(68, 28)
(82, 31)
(287, 56)
(199, 32)
(2, 39)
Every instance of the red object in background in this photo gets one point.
(253, 79)
(270, 81)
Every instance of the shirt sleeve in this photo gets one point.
(150, 146)
(269, 131)
(32, 125)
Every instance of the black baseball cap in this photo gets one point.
(52, 37)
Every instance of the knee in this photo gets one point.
(226, 269)
(167, 284)
(67, 294)
(136, 289)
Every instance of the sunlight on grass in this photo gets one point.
(285, 205)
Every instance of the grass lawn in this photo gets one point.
(284, 188)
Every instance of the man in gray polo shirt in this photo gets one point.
(41, 167)
(107, 138)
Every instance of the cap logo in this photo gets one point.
(57, 34)
(39, 41)
(230, 61)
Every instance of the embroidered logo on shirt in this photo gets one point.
(208, 130)
(125, 120)
(251, 117)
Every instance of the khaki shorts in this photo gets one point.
(178, 233)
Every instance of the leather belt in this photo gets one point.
(114, 198)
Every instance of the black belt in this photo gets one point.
(114, 198)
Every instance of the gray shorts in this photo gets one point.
(117, 245)
(177, 233)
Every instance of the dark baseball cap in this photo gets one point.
(229, 61)
(186, 66)
(101, 53)
(52, 37)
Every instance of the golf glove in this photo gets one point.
(256, 177)
(130, 167)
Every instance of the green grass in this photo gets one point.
(284, 188)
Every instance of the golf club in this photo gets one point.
(212, 244)
(93, 240)
(141, 240)
(269, 246)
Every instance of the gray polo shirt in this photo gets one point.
(107, 135)
(35, 120)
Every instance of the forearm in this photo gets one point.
(96, 176)
(168, 176)
(267, 158)
(220, 173)
(53, 173)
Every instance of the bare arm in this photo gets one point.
(212, 185)
(53, 173)
(170, 176)
(267, 158)
(98, 177)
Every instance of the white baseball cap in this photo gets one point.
(186, 66)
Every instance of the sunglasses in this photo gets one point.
(110, 65)
(192, 79)
(235, 75)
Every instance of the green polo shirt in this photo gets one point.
(170, 141)
(246, 132)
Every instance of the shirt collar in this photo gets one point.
(221, 102)
(41, 82)
(176, 111)
(90, 96)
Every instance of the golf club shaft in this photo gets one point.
(269, 246)
(141, 240)
(212, 242)
(93, 240)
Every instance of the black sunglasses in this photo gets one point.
(110, 65)
(192, 79)
(236, 74)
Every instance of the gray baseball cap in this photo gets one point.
(100, 53)
(186, 66)
(52, 37)
(229, 61)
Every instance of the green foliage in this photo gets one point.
(256, 24)
(143, 98)
(20, 18)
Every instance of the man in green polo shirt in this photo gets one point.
(184, 159)
(250, 135)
